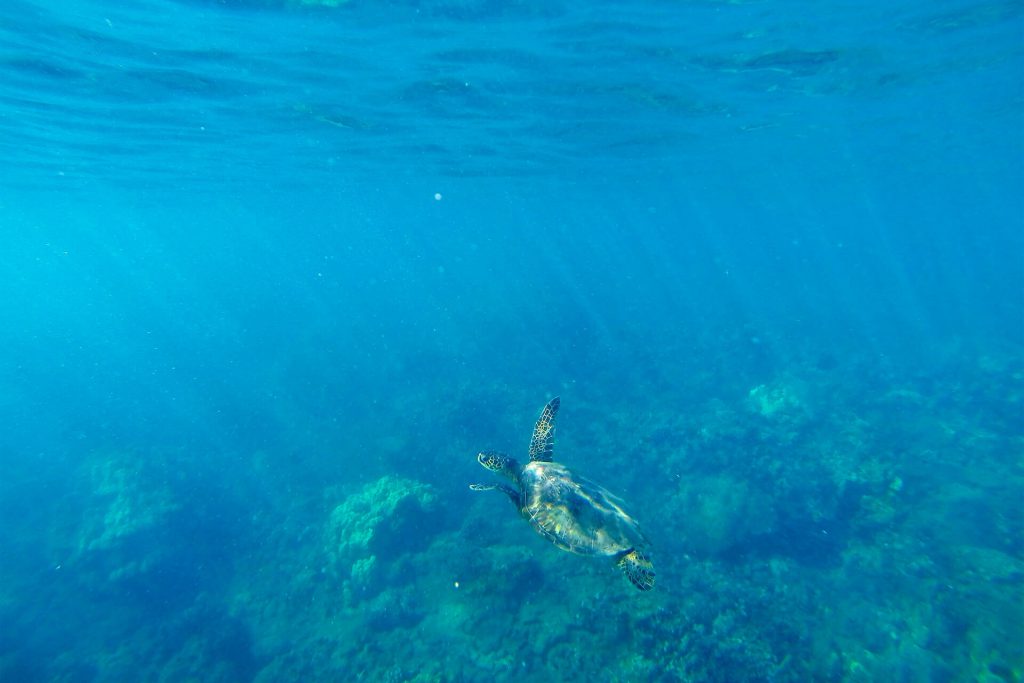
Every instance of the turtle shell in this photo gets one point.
(575, 514)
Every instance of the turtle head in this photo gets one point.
(498, 462)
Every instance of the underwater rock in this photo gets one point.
(392, 609)
(125, 522)
(372, 529)
(778, 399)
(128, 509)
(505, 573)
(987, 566)
(719, 512)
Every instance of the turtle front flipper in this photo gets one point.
(637, 568)
(542, 445)
(507, 490)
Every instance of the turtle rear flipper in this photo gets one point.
(542, 445)
(638, 569)
(507, 490)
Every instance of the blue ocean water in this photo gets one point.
(273, 272)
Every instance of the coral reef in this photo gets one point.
(826, 525)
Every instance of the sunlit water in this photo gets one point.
(271, 274)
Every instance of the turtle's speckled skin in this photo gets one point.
(571, 512)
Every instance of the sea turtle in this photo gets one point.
(571, 512)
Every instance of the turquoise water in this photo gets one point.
(273, 273)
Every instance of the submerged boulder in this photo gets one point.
(370, 534)
(782, 398)
(125, 523)
(718, 513)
